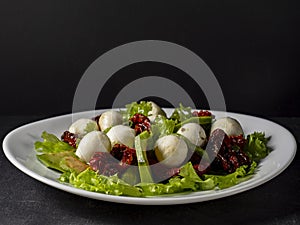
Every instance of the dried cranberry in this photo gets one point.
(69, 138)
(140, 123)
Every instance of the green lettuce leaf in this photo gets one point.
(241, 174)
(143, 165)
(181, 113)
(90, 127)
(162, 126)
(91, 181)
(51, 144)
(256, 147)
(187, 180)
(53, 160)
(204, 121)
(142, 107)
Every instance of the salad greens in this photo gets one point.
(142, 107)
(160, 127)
(51, 144)
(58, 155)
(241, 174)
(90, 127)
(187, 180)
(144, 169)
(181, 114)
(91, 181)
(256, 146)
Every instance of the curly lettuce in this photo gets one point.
(181, 114)
(91, 181)
(256, 147)
(186, 181)
(143, 107)
(51, 144)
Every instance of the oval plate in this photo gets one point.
(18, 147)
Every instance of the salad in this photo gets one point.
(140, 151)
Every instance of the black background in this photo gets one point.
(251, 46)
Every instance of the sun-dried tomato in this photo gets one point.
(201, 168)
(161, 173)
(227, 156)
(202, 113)
(99, 161)
(105, 164)
(117, 151)
(140, 123)
(124, 154)
(129, 157)
(239, 141)
(69, 138)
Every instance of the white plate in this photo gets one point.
(18, 148)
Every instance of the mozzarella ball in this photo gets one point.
(109, 119)
(229, 125)
(155, 111)
(79, 126)
(171, 150)
(95, 141)
(121, 134)
(194, 133)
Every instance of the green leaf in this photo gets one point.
(256, 147)
(91, 127)
(63, 161)
(142, 107)
(204, 121)
(187, 180)
(181, 113)
(241, 174)
(51, 144)
(53, 160)
(160, 127)
(144, 169)
(91, 181)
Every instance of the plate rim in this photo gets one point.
(193, 197)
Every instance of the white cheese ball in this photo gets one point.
(95, 141)
(79, 126)
(194, 133)
(109, 119)
(121, 134)
(229, 125)
(171, 150)
(155, 111)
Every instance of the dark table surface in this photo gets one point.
(24, 200)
